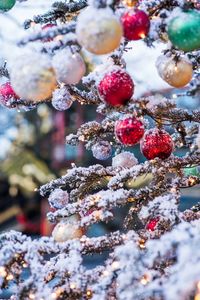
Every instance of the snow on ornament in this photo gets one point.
(184, 30)
(124, 160)
(102, 150)
(98, 30)
(116, 87)
(136, 24)
(67, 230)
(176, 73)
(7, 94)
(61, 99)
(32, 76)
(58, 198)
(156, 143)
(69, 67)
(6, 5)
(129, 131)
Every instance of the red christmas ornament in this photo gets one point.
(45, 27)
(151, 226)
(116, 87)
(7, 93)
(157, 143)
(129, 131)
(136, 24)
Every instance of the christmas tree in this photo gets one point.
(154, 255)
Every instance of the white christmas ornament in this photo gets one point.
(61, 99)
(98, 30)
(69, 67)
(124, 159)
(102, 150)
(32, 76)
(58, 198)
(67, 230)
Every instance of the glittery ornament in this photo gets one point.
(184, 30)
(124, 160)
(98, 30)
(136, 24)
(7, 94)
(58, 198)
(67, 230)
(156, 143)
(177, 74)
(129, 131)
(45, 27)
(102, 150)
(151, 226)
(69, 67)
(116, 87)
(6, 4)
(32, 76)
(61, 99)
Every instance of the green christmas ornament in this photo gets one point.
(6, 4)
(193, 171)
(184, 30)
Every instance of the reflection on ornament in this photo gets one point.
(32, 77)
(136, 24)
(176, 73)
(116, 87)
(100, 34)
(156, 143)
(124, 160)
(6, 4)
(184, 30)
(69, 67)
(102, 150)
(129, 131)
(67, 230)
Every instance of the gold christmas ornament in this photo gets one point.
(176, 73)
(67, 230)
(100, 34)
(32, 77)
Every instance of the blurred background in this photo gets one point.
(32, 143)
